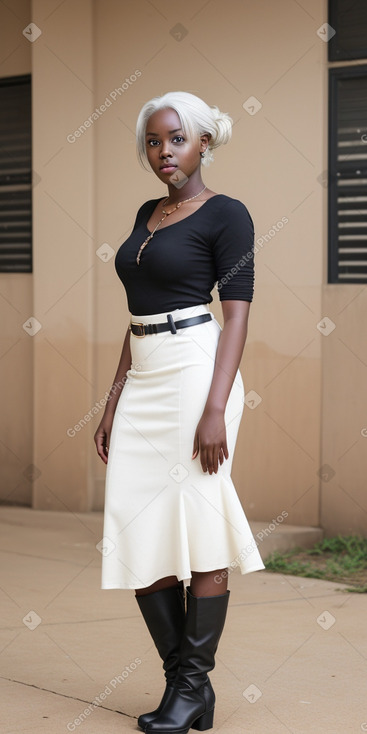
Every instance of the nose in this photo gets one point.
(165, 152)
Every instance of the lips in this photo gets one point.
(167, 165)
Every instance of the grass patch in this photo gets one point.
(342, 558)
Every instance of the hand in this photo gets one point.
(211, 439)
(102, 437)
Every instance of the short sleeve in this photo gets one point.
(233, 252)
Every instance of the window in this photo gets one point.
(348, 143)
(15, 175)
(349, 20)
(348, 175)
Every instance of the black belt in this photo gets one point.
(140, 329)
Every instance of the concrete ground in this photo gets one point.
(292, 657)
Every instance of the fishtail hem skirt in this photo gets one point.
(163, 515)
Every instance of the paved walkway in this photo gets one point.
(292, 657)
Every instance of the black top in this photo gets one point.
(183, 261)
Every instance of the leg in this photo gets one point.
(209, 583)
(164, 583)
(163, 608)
(192, 699)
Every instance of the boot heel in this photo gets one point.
(204, 722)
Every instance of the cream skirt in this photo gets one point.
(163, 515)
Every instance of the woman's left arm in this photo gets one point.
(210, 436)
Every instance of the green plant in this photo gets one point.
(341, 558)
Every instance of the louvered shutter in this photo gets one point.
(348, 175)
(15, 175)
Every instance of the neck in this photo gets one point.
(190, 188)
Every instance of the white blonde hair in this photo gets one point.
(196, 118)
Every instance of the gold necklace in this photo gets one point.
(165, 214)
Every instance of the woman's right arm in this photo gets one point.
(103, 432)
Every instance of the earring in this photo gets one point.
(202, 153)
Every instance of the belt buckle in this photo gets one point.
(141, 325)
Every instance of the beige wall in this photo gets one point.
(312, 407)
(344, 410)
(16, 298)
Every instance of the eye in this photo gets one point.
(153, 140)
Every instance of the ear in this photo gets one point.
(204, 141)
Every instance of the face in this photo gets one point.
(166, 143)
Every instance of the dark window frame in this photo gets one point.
(13, 267)
(336, 10)
(335, 74)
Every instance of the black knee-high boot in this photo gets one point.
(164, 614)
(191, 703)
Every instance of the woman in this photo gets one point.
(169, 429)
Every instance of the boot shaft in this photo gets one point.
(164, 614)
(205, 619)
